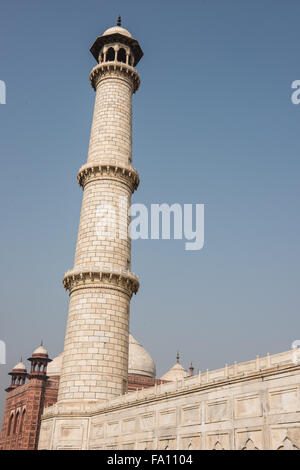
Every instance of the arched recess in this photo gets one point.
(122, 55)
(249, 445)
(22, 420)
(287, 444)
(110, 55)
(17, 418)
(9, 430)
(218, 446)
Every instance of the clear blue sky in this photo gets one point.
(213, 124)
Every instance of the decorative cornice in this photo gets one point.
(113, 69)
(124, 281)
(92, 172)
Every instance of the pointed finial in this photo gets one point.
(41, 342)
(177, 357)
(119, 21)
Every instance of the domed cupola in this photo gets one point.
(117, 45)
(176, 372)
(140, 361)
(39, 361)
(18, 376)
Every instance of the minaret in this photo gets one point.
(95, 359)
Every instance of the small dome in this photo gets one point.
(54, 368)
(20, 366)
(40, 350)
(175, 373)
(140, 361)
(117, 29)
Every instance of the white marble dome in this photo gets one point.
(117, 29)
(140, 361)
(54, 368)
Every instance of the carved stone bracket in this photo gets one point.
(124, 281)
(127, 175)
(108, 69)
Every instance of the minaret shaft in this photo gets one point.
(95, 360)
(111, 132)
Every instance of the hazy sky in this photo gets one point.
(213, 123)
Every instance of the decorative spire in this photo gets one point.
(177, 357)
(119, 21)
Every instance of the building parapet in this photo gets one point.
(257, 368)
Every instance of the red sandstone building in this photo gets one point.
(27, 396)
(29, 393)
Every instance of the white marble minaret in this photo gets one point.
(95, 358)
